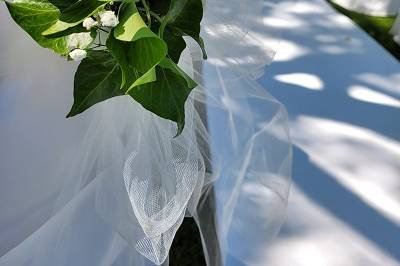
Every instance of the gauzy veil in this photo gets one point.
(131, 182)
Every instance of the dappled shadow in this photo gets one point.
(342, 91)
(344, 204)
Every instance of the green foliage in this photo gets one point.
(377, 27)
(169, 93)
(92, 87)
(74, 15)
(35, 16)
(136, 48)
(137, 57)
(184, 18)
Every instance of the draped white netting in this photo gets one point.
(113, 186)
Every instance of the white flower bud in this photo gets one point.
(89, 23)
(108, 19)
(72, 46)
(78, 54)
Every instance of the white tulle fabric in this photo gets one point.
(117, 190)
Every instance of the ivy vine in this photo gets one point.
(126, 47)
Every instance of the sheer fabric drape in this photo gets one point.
(113, 186)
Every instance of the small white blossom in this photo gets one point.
(72, 46)
(79, 40)
(89, 23)
(78, 54)
(108, 19)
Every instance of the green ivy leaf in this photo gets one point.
(131, 26)
(137, 62)
(176, 44)
(63, 4)
(136, 48)
(166, 96)
(76, 29)
(184, 18)
(160, 7)
(34, 16)
(97, 79)
(74, 15)
(174, 40)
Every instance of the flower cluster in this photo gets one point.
(105, 18)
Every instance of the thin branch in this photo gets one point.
(147, 9)
(102, 29)
(156, 16)
(152, 13)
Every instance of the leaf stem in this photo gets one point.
(147, 9)
(152, 13)
(162, 28)
(156, 16)
(102, 29)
